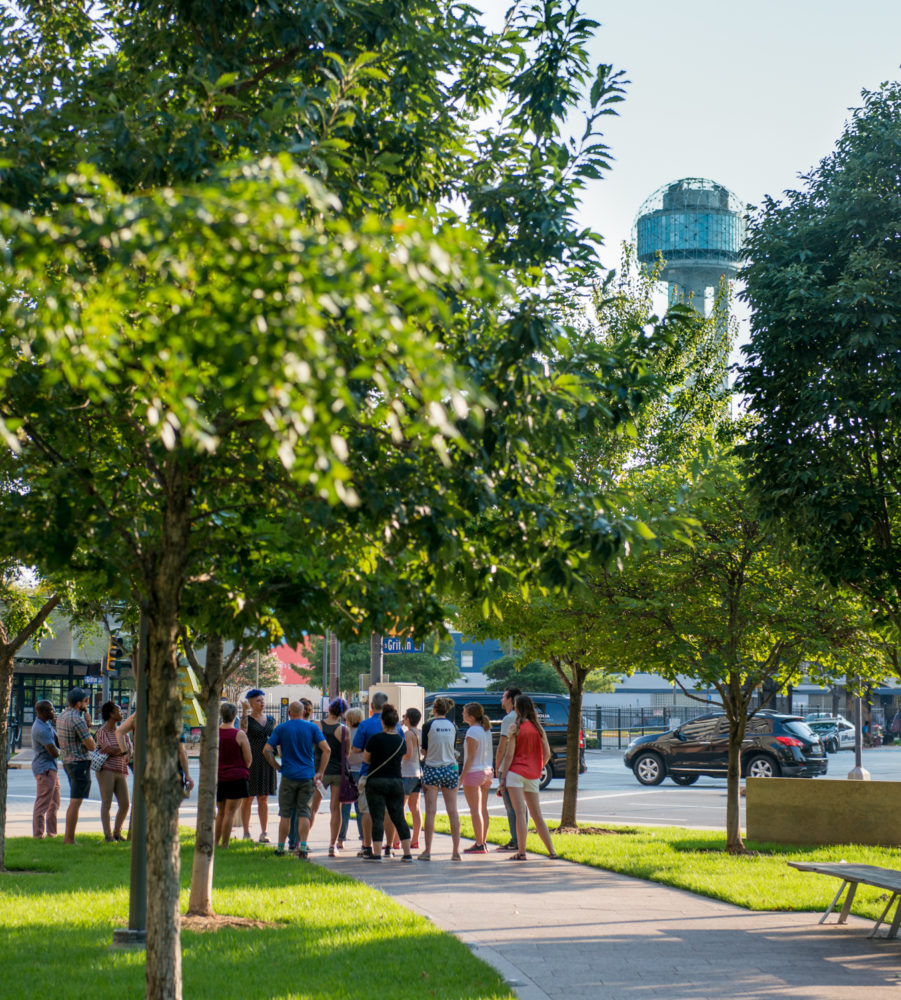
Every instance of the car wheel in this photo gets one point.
(649, 769)
(684, 779)
(547, 772)
(762, 767)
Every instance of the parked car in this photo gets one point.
(844, 731)
(774, 745)
(553, 714)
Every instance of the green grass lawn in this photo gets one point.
(696, 860)
(330, 936)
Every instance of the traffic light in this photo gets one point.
(116, 651)
(192, 711)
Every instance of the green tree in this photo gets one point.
(567, 626)
(821, 374)
(532, 676)
(730, 610)
(248, 358)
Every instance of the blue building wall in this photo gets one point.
(482, 654)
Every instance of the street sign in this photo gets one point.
(393, 644)
(92, 679)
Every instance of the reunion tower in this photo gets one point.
(698, 227)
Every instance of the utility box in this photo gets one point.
(401, 695)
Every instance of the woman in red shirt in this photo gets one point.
(527, 752)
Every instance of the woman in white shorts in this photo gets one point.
(527, 752)
(439, 770)
(477, 773)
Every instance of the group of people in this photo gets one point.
(382, 765)
(385, 764)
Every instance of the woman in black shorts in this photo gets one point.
(234, 768)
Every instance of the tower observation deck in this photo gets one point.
(698, 227)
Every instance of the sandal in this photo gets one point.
(331, 851)
(554, 857)
(517, 857)
(425, 856)
(456, 856)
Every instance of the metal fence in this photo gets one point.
(615, 728)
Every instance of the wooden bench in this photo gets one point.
(852, 876)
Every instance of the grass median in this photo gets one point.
(696, 860)
(319, 934)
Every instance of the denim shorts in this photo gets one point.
(412, 786)
(444, 777)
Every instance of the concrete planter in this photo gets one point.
(812, 811)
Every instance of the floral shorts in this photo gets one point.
(443, 777)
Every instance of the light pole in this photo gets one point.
(859, 772)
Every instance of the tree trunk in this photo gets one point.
(212, 679)
(162, 787)
(7, 658)
(573, 731)
(8, 650)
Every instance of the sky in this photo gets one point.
(748, 94)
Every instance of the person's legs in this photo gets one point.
(415, 815)
(485, 791)
(394, 805)
(79, 774)
(335, 814)
(231, 810)
(106, 779)
(220, 820)
(317, 802)
(473, 795)
(522, 817)
(375, 800)
(53, 807)
(121, 789)
(245, 815)
(345, 823)
(263, 816)
(511, 819)
(450, 804)
(534, 806)
(430, 792)
(42, 801)
(305, 796)
(390, 832)
(292, 829)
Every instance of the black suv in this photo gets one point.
(552, 711)
(774, 745)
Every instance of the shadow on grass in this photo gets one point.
(57, 929)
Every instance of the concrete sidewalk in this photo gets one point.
(560, 930)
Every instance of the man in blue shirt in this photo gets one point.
(45, 771)
(296, 741)
(370, 727)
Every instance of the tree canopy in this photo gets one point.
(821, 373)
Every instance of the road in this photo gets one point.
(608, 793)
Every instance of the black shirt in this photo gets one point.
(381, 747)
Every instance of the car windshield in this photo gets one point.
(798, 728)
(821, 727)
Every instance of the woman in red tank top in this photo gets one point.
(232, 786)
(527, 753)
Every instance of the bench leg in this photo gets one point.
(896, 923)
(888, 906)
(831, 906)
(849, 899)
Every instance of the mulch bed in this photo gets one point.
(218, 921)
(594, 830)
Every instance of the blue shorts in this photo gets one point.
(412, 786)
(444, 777)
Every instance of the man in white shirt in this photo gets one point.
(507, 702)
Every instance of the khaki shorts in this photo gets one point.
(331, 779)
(515, 780)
